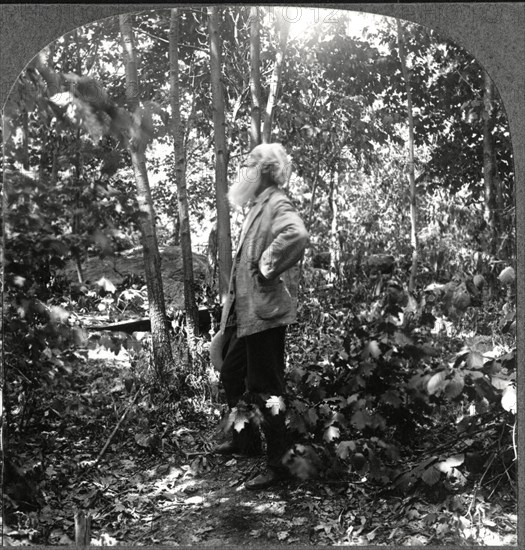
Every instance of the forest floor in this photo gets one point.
(174, 491)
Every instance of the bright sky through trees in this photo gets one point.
(303, 19)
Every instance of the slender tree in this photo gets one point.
(336, 183)
(224, 245)
(410, 164)
(255, 77)
(282, 28)
(162, 354)
(489, 165)
(192, 315)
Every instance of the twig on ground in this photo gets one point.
(112, 435)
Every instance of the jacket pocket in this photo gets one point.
(271, 299)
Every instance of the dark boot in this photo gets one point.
(226, 448)
(246, 442)
(277, 443)
(269, 478)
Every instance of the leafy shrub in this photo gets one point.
(366, 381)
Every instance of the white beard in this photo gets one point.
(245, 188)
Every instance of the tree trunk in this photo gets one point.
(283, 29)
(314, 191)
(162, 354)
(255, 77)
(221, 156)
(335, 246)
(489, 161)
(192, 314)
(25, 139)
(410, 167)
(77, 253)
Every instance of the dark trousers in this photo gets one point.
(253, 369)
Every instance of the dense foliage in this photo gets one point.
(402, 390)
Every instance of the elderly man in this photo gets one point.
(261, 302)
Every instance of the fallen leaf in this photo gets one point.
(372, 535)
(194, 500)
(203, 530)
(106, 284)
(451, 462)
(508, 399)
(64, 539)
(163, 469)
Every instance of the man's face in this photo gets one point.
(248, 181)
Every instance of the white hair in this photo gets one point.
(270, 158)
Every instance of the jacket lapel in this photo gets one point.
(255, 210)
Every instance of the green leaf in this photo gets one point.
(402, 340)
(360, 420)
(331, 433)
(436, 382)
(455, 386)
(391, 397)
(344, 449)
(431, 475)
(240, 421)
(358, 461)
(475, 360)
(304, 467)
(352, 398)
(373, 349)
(451, 462)
(499, 383)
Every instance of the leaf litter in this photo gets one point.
(180, 495)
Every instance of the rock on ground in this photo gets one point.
(116, 268)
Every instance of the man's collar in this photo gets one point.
(264, 194)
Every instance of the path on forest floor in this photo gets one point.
(206, 504)
(214, 507)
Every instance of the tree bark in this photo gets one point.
(283, 29)
(25, 139)
(335, 246)
(410, 164)
(162, 354)
(314, 190)
(255, 77)
(192, 314)
(221, 156)
(489, 164)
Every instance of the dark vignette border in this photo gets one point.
(492, 32)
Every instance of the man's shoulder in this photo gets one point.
(278, 196)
